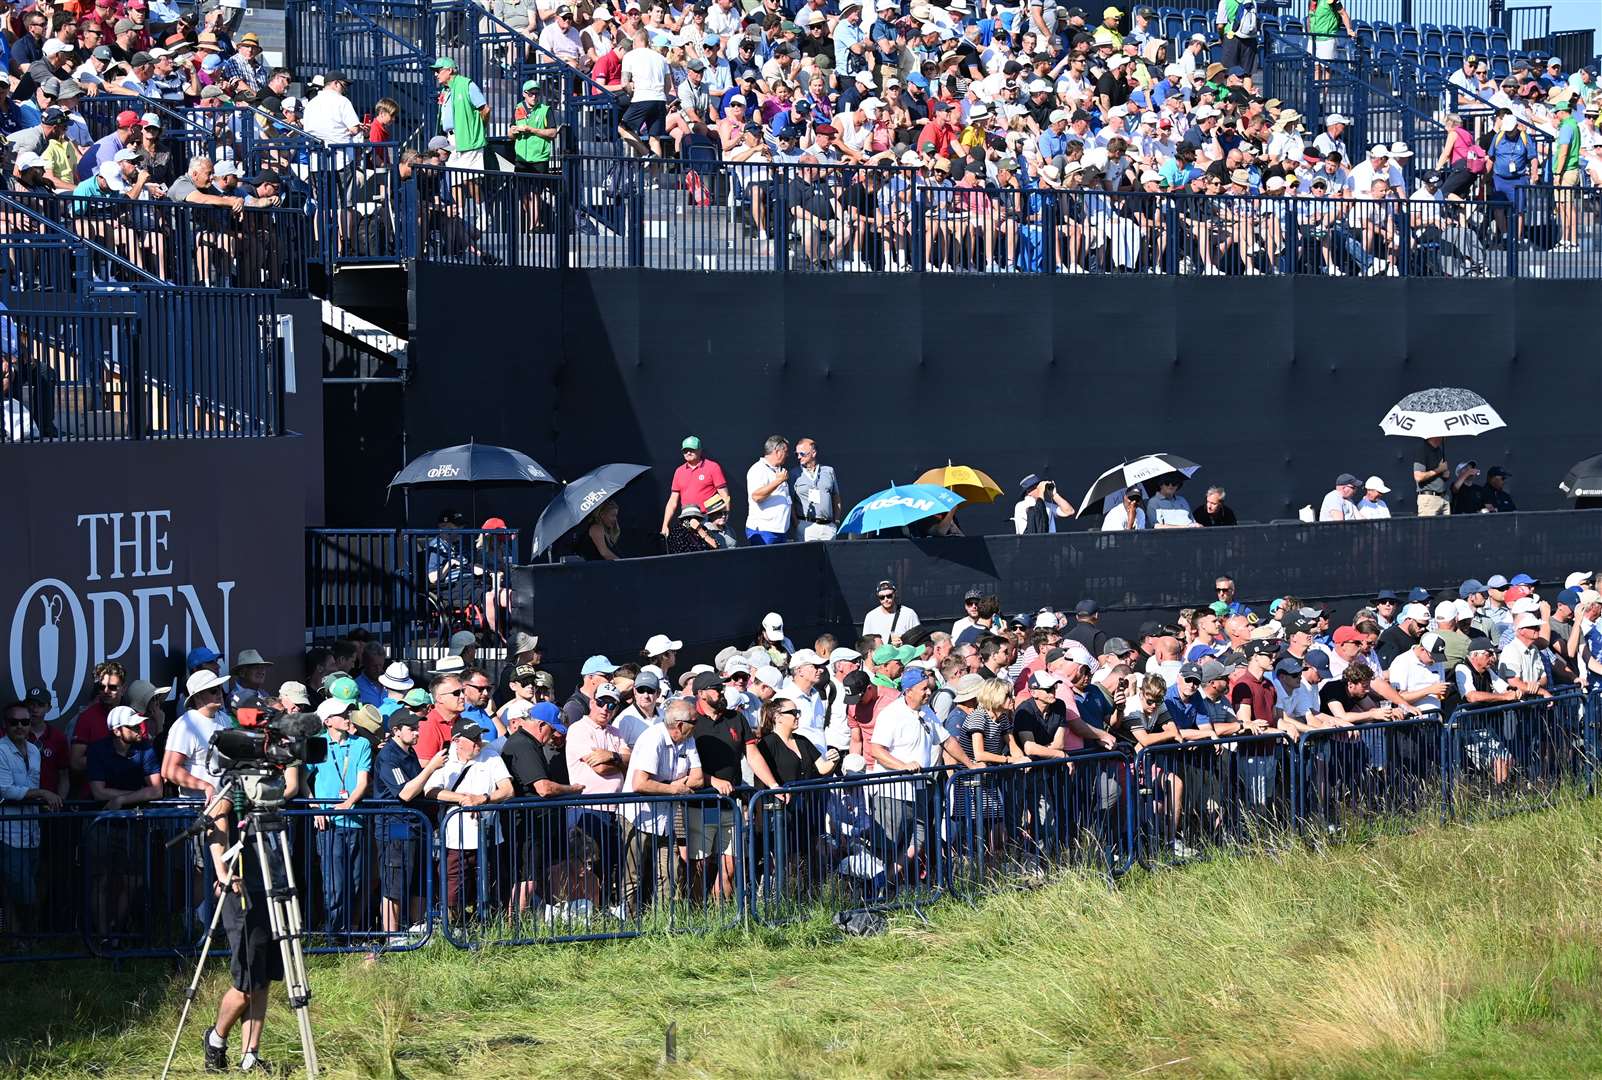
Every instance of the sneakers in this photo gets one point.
(254, 1065)
(1183, 850)
(1567, 245)
(216, 1056)
(1334, 271)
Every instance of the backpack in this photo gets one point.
(1478, 160)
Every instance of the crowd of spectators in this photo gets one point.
(897, 695)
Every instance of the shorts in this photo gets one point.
(535, 167)
(1570, 178)
(397, 870)
(1324, 48)
(466, 159)
(711, 831)
(255, 961)
(1483, 749)
(19, 874)
(647, 119)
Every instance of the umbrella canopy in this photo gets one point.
(1584, 480)
(473, 464)
(578, 499)
(1108, 490)
(1446, 410)
(897, 506)
(966, 481)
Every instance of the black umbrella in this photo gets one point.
(472, 465)
(578, 500)
(1584, 480)
(1108, 490)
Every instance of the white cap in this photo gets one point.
(1374, 483)
(1446, 611)
(871, 105)
(1149, 177)
(1172, 70)
(1045, 621)
(1059, 114)
(122, 716)
(732, 664)
(1578, 578)
(1336, 118)
(804, 656)
(1465, 610)
(1204, 112)
(661, 643)
(1116, 62)
(773, 626)
(1428, 642)
(844, 653)
(226, 167)
(1416, 612)
(908, 157)
(1526, 604)
(53, 46)
(1038, 85)
(769, 676)
(1525, 621)
(1379, 150)
(29, 160)
(334, 707)
(1589, 596)
(1118, 110)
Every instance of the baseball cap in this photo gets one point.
(661, 643)
(123, 717)
(1043, 680)
(1346, 634)
(416, 698)
(201, 654)
(1288, 665)
(1386, 594)
(404, 718)
(1087, 607)
(912, 677)
(1345, 478)
(707, 680)
(856, 684)
(1212, 669)
(547, 713)
(1496, 581)
(804, 656)
(1470, 587)
(443, 63)
(1417, 612)
(1520, 579)
(1480, 644)
(295, 692)
(1116, 645)
(1434, 644)
(1577, 579)
(607, 690)
(341, 686)
(334, 707)
(466, 729)
(1192, 672)
(1446, 611)
(1570, 596)
(597, 665)
(1515, 593)
(773, 626)
(1526, 620)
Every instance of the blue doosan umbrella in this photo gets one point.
(473, 464)
(897, 506)
(578, 500)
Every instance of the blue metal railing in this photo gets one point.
(615, 864)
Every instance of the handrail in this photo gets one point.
(57, 227)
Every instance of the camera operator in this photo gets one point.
(254, 962)
(1040, 508)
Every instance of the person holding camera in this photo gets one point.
(1040, 508)
(254, 959)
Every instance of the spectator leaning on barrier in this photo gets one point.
(665, 762)
(1337, 504)
(344, 779)
(471, 840)
(398, 776)
(19, 836)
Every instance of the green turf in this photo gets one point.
(1450, 952)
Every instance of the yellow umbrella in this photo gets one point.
(970, 483)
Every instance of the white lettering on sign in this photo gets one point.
(60, 629)
(902, 500)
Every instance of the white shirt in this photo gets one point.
(889, 624)
(1117, 519)
(191, 738)
(772, 514)
(632, 723)
(1520, 661)
(1375, 509)
(19, 774)
(908, 739)
(330, 117)
(16, 421)
(1407, 675)
(648, 70)
(659, 758)
(481, 776)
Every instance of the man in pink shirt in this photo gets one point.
(694, 482)
(598, 761)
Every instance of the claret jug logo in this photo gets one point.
(123, 601)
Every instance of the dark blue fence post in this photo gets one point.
(634, 208)
(779, 219)
(915, 258)
(1515, 228)
(1050, 207)
(1171, 232)
(563, 212)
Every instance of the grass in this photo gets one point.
(1454, 951)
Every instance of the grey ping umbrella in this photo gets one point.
(1438, 413)
(1108, 490)
(1584, 480)
(578, 500)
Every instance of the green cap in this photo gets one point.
(417, 696)
(904, 653)
(344, 688)
(530, 85)
(789, 28)
(444, 62)
(691, 442)
(1219, 608)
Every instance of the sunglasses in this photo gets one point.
(16, 721)
(458, 692)
(650, 690)
(110, 687)
(1191, 682)
(475, 686)
(1225, 588)
(789, 712)
(887, 596)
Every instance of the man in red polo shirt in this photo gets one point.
(52, 744)
(434, 733)
(694, 482)
(90, 725)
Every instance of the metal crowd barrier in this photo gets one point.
(584, 869)
(1363, 775)
(1196, 796)
(1502, 759)
(873, 842)
(84, 882)
(1017, 823)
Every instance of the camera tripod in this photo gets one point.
(262, 834)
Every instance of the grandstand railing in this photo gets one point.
(105, 884)
(377, 580)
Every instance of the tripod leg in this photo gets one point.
(194, 985)
(283, 915)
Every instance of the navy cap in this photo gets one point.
(1417, 595)
(1496, 470)
(1029, 481)
(1481, 644)
(1149, 629)
(1288, 665)
(1570, 597)
(1387, 594)
(1469, 588)
(1087, 607)
(1190, 671)
(1346, 478)
(1018, 620)
(1318, 660)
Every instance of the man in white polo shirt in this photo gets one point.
(664, 762)
(802, 687)
(767, 513)
(1417, 674)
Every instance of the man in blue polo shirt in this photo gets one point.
(343, 779)
(1186, 706)
(399, 777)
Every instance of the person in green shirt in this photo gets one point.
(1566, 174)
(1327, 20)
(533, 140)
(463, 109)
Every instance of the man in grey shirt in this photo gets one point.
(817, 496)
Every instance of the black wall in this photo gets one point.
(1275, 385)
(717, 598)
(140, 551)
